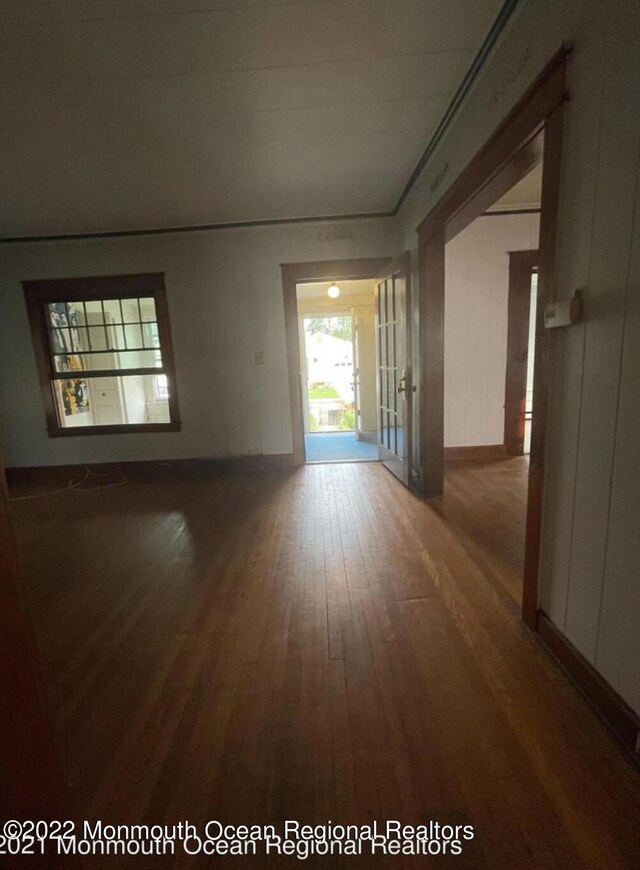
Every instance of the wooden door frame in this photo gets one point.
(521, 266)
(495, 168)
(306, 273)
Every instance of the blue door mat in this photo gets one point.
(338, 446)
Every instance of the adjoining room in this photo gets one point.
(489, 347)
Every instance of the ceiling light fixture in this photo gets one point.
(333, 291)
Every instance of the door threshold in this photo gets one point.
(338, 461)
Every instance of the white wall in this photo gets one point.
(224, 292)
(367, 396)
(135, 399)
(475, 322)
(591, 539)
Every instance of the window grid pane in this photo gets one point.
(99, 352)
(103, 335)
(89, 337)
(107, 400)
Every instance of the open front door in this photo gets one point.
(395, 388)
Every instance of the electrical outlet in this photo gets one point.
(258, 357)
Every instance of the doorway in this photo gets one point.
(488, 368)
(380, 325)
(531, 130)
(293, 275)
(336, 322)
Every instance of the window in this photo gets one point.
(104, 354)
(160, 383)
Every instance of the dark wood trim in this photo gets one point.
(328, 270)
(501, 212)
(54, 475)
(196, 228)
(114, 429)
(621, 720)
(475, 451)
(431, 307)
(208, 228)
(107, 373)
(521, 265)
(168, 358)
(527, 158)
(539, 110)
(542, 366)
(35, 313)
(522, 124)
(95, 287)
(301, 273)
(39, 293)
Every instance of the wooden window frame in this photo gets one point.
(38, 294)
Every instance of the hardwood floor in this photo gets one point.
(318, 645)
(486, 502)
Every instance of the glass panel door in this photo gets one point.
(395, 390)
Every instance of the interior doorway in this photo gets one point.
(489, 296)
(532, 130)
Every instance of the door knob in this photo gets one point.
(402, 385)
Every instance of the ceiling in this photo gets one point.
(525, 194)
(318, 290)
(136, 114)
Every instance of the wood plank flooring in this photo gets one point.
(318, 645)
(486, 502)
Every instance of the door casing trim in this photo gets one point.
(521, 266)
(539, 113)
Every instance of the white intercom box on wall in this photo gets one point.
(563, 312)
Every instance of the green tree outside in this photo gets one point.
(338, 327)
